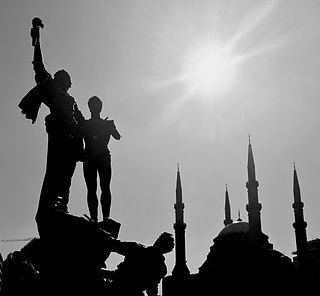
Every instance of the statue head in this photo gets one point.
(164, 243)
(63, 79)
(95, 105)
(37, 22)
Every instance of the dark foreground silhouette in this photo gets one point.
(69, 259)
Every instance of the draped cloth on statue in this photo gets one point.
(31, 102)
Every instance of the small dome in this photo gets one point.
(236, 227)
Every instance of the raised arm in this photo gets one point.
(41, 73)
(126, 248)
(37, 54)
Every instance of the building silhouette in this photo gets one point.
(180, 268)
(241, 259)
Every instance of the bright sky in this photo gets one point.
(185, 81)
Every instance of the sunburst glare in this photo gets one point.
(209, 69)
(209, 60)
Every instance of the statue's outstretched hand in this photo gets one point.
(36, 25)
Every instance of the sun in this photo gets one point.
(209, 69)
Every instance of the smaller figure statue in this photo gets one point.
(97, 159)
(142, 268)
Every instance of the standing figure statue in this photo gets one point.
(65, 143)
(97, 159)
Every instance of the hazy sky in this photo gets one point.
(185, 81)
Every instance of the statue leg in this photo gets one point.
(90, 176)
(104, 170)
(48, 195)
(49, 191)
(65, 177)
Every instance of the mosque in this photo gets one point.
(241, 260)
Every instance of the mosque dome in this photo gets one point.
(234, 228)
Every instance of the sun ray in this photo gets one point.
(252, 21)
(205, 62)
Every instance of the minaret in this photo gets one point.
(253, 207)
(180, 269)
(299, 225)
(227, 209)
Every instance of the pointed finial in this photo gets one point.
(239, 219)
(178, 187)
(250, 165)
(249, 138)
(294, 165)
(226, 186)
(178, 167)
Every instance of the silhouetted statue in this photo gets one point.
(97, 159)
(73, 253)
(143, 267)
(19, 276)
(69, 259)
(65, 143)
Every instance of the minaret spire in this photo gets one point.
(251, 166)
(180, 269)
(299, 225)
(179, 188)
(253, 207)
(227, 209)
(239, 218)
